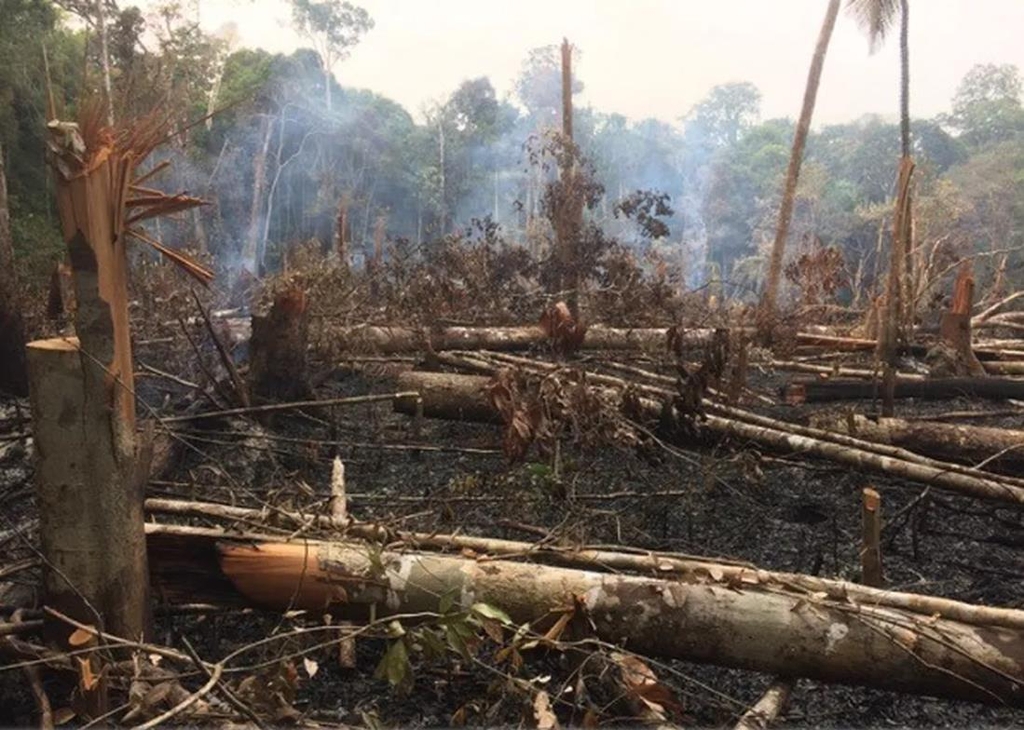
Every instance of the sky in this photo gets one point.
(655, 58)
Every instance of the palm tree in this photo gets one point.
(878, 17)
(796, 156)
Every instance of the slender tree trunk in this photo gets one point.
(440, 148)
(570, 213)
(259, 168)
(905, 78)
(101, 29)
(770, 297)
(12, 330)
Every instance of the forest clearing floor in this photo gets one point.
(783, 513)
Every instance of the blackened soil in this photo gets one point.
(776, 510)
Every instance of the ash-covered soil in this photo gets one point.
(779, 511)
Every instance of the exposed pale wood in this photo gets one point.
(767, 709)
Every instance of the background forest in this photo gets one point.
(292, 156)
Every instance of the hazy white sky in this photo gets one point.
(656, 57)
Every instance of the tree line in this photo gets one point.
(285, 153)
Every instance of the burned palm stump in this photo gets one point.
(277, 349)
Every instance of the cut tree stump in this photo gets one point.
(871, 538)
(740, 625)
(277, 350)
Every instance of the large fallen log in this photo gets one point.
(472, 388)
(817, 391)
(743, 625)
(645, 562)
(391, 340)
(995, 447)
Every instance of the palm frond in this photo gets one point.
(876, 18)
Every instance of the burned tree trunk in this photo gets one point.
(996, 447)
(816, 391)
(277, 350)
(744, 625)
(13, 378)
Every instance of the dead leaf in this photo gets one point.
(87, 678)
(542, 712)
(80, 638)
(63, 715)
(650, 698)
(311, 666)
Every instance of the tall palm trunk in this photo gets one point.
(899, 300)
(770, 297)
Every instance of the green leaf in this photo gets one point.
(394, 666)
(492, 612)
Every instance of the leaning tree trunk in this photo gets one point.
(771, 292)
(12, 331)
(736, 624)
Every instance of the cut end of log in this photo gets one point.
(794, 394)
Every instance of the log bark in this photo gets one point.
(817, 391)
(996, 447)
(391, 340)
(470, 392)
(13, 378)
(666, 565)
(789, 634)
(90, 501)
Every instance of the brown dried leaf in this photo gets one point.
(542, 712)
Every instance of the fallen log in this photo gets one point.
(471, 397)
(665, 565)
(970, 444)
(817, 391)
(790, 634)
(391, 340)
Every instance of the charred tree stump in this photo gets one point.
(954, 355)
(277, 350)
(871, 538)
